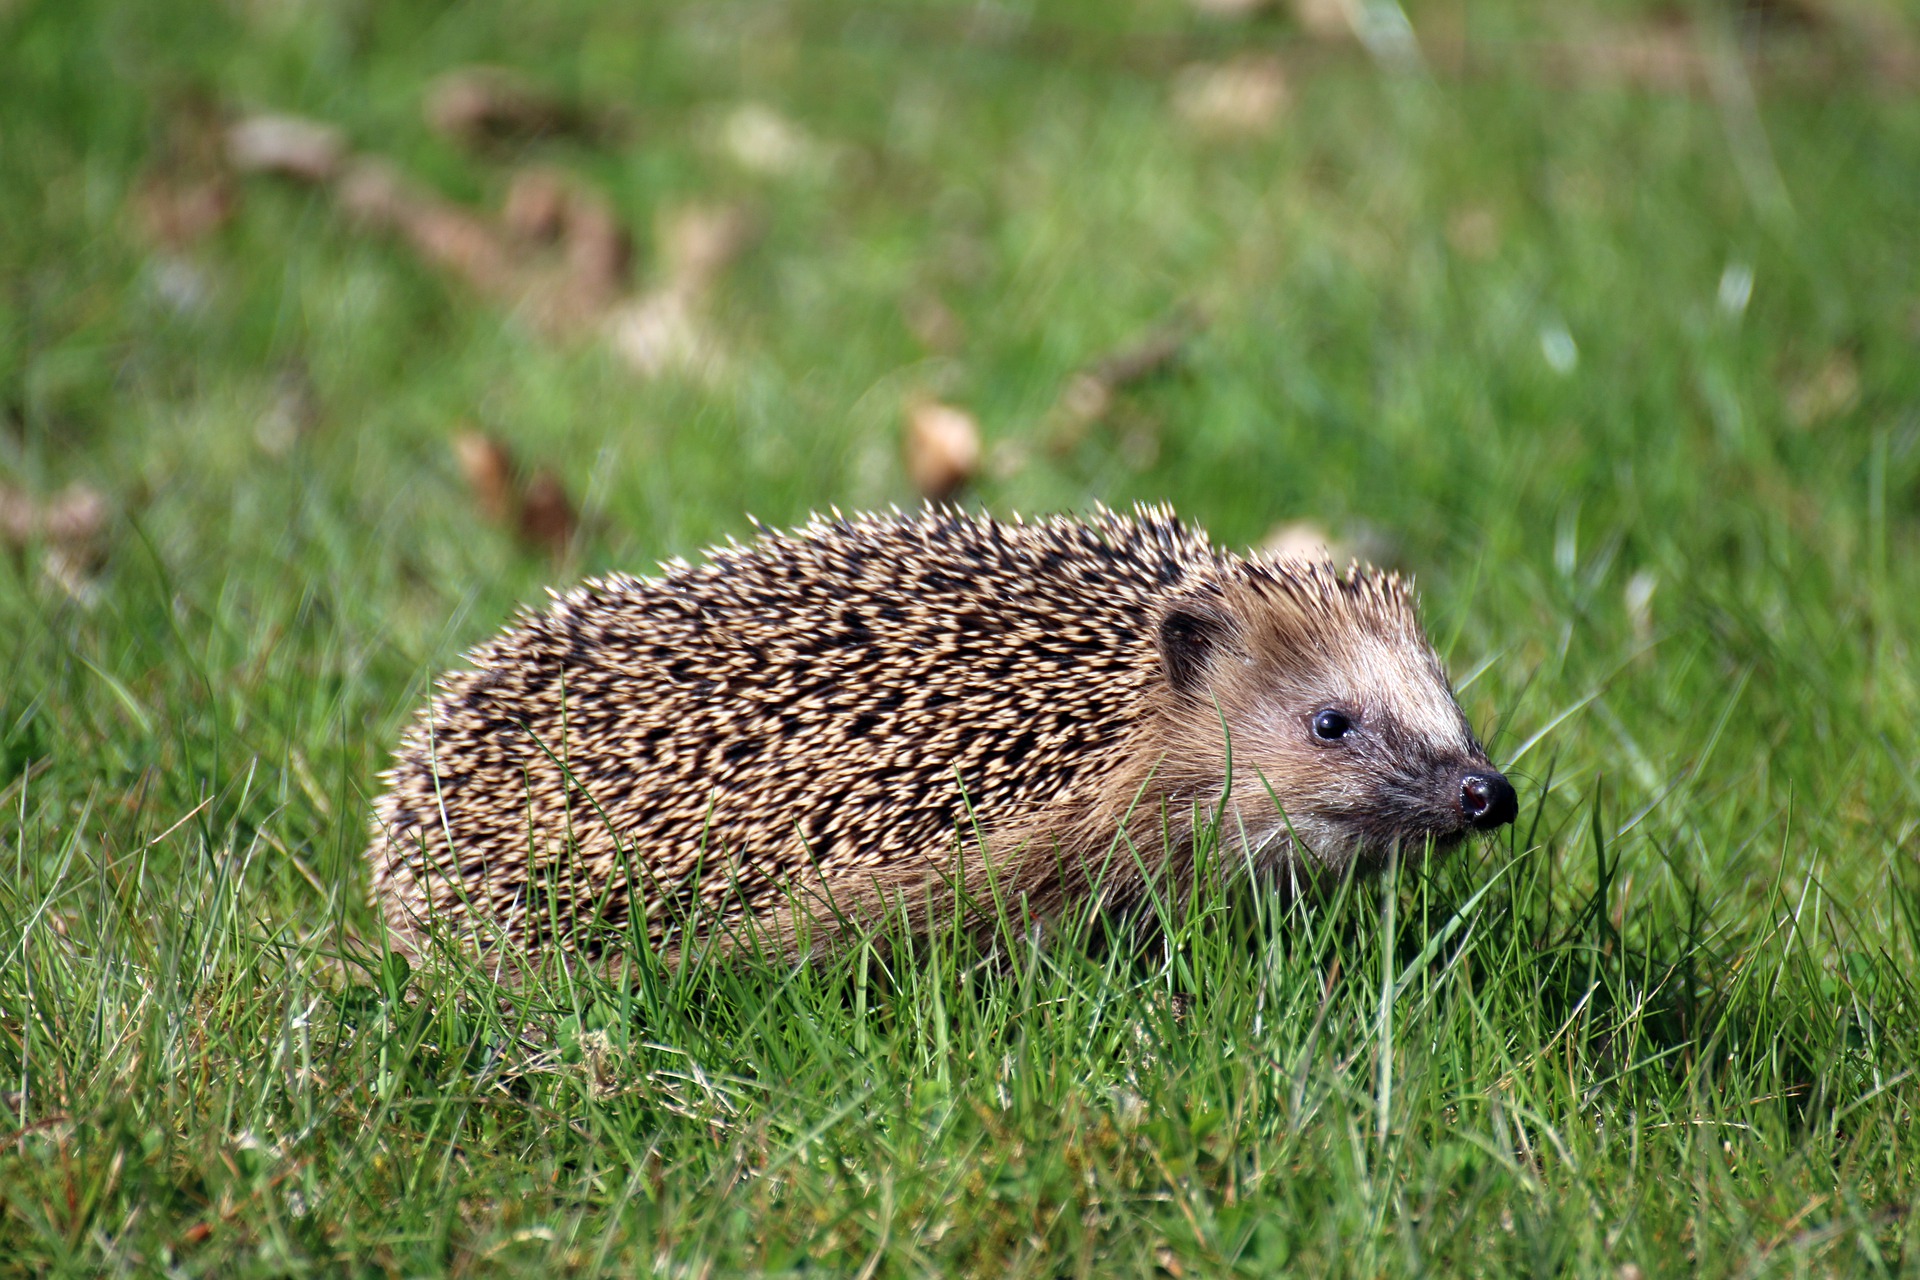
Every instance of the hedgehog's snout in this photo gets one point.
(1487, 800)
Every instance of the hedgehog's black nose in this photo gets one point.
(1487, 800)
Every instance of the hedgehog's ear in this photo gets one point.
(1193, 632)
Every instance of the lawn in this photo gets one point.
(1604, 323)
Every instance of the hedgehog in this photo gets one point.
(918, 713)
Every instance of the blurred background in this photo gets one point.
(331, 332)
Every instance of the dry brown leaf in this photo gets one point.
(460, 242)
(598, 251)
(506, 259)
(68, 529)
(172, 213)
(288, 146)
(585, 288)
(447, 236)
(1152, 354)
(539, 512)
(488, 468)
(75, 515)
(547, 519)
(1089, 395)
(536, 207)
(942, 448)
(480, 107)
(575, 293)
(1241, 97)
(185, 191)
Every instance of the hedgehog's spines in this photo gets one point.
(822, 685)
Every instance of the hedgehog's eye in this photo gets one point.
(1330, 725)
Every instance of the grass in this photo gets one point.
(1625, 374)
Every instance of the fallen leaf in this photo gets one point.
(449, 237)
(942, 448)
(1150, 355)
(185, 192)
(536, 204)
(480, 107)
(596, 259)
(173, 213)
(585, 288)
(77, 514)
(287, 146)
(1089, 394)
(488, 468)
(547, 519)
(67, 529)
(539, 512)
(598, 251)
(508, 259)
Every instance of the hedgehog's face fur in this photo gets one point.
(1345, 737)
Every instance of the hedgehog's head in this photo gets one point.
(1336, 711)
